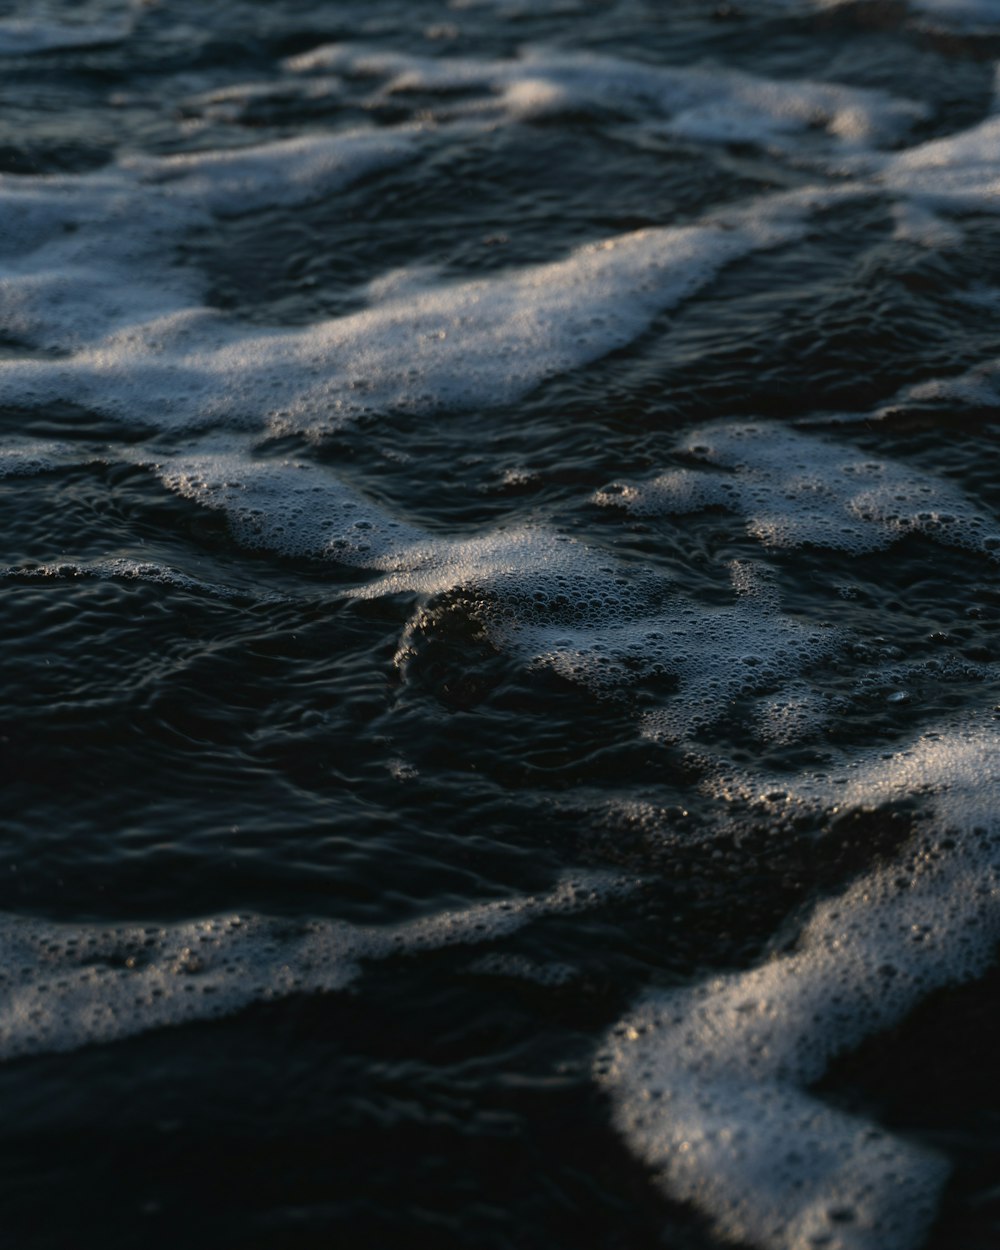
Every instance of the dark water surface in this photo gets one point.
(557, 464)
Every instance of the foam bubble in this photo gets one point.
(709, 1083)
(796, 713)
(550, 975)
(67, 986)
(795, 488)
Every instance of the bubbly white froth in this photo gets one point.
(713, 105)
(714, 653)
(979, 387)
(26, 457)
(88, 263)
(290, 506)
(290, 171)
(66, 986)
(541, 595)
(448, 345)
(959, 172)
(795, 488)
(709, 1083)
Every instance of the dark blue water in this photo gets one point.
(517, 444)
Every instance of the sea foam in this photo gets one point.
(709, 104)
(709, 1083)
(457, 344)
(794, 488)
(545, 597)
(71, 985)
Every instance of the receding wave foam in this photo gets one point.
(445, 345)
(26, 457)
(705, 105)
(709, 1083)
(713, 653)
(128, 569)
(553, 601)
(795, 488)
(67, 986)
(960, 172)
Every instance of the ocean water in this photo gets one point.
(499, 600)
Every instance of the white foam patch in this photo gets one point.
(287, 172)
(795, 488)
(301, 509)
(795, 714)
(26, 457)
(449, 345)
(66, 986)
(720, 654)
(293, 507)
(72, 253)
(234, 102)
(978, 387)
(917, 223)
(543, 596)
(958, 173)
(715, 104)
(896, 684)
(90, 262)
(128, 569)
(709, 1083)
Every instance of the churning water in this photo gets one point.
(499, 599)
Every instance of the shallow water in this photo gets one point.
(500, 605)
